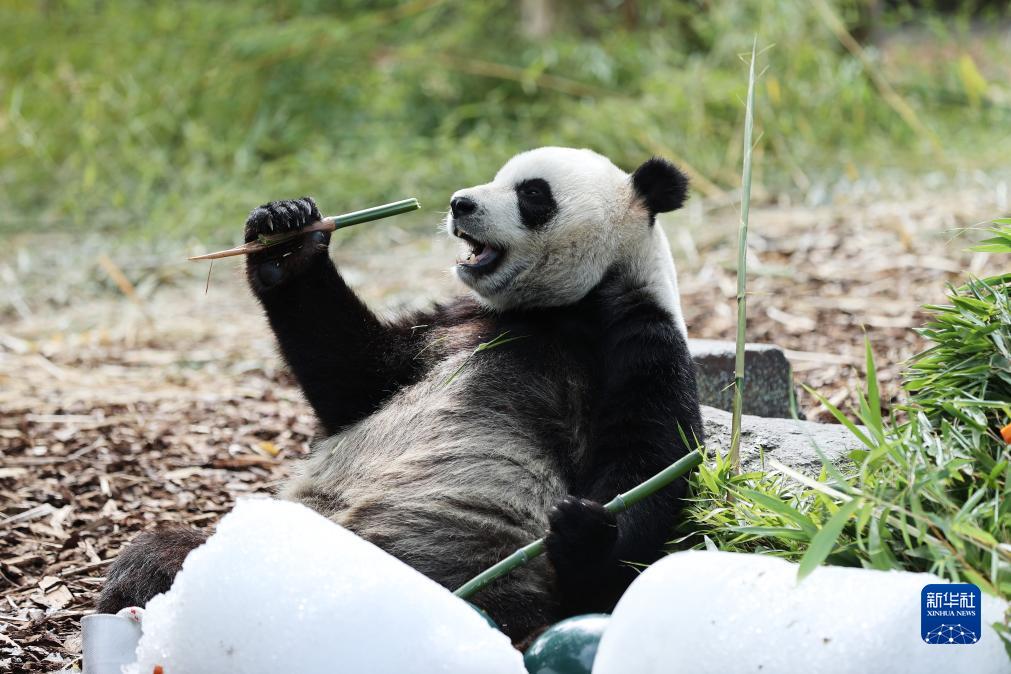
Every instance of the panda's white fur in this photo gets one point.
(599, 223)
(450, 455)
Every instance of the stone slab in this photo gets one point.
(768, 380)
(787, 440)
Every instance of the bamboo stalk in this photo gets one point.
(742, 270)
(618, 504)
(329, 224)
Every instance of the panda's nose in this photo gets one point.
(462, 206)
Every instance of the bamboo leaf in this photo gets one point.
(878, 550)
(975, 533)
(873, 420)
(824, 541)
(780, 508)
(842, 418)
(773, 532)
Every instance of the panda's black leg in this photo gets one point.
(648, 400)
(146, 567)
(346, 360)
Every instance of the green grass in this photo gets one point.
(175, 119)
(930, 491)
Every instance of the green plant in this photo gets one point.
(742, 267)
(929, 491)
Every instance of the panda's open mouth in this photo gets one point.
(479, 256)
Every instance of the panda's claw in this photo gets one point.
(287, 259)
(281, 217)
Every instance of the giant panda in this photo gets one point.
(449, 457)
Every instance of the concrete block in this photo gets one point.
(767, 377)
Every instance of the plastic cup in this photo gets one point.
(109, 642)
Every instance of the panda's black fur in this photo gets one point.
(451, 459)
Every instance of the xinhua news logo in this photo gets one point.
(950, 614)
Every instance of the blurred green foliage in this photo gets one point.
(179, 117)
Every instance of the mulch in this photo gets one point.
(104, 435)
(126, 405)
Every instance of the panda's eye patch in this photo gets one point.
(533, 189)
(537, 204)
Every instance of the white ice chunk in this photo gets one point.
(279, 588)
(727, 613)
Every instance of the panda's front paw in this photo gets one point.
(581, 535)
(281, 217)
(286, 260)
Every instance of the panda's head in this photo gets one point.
(555, 220)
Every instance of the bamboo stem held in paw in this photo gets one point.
(618, 504)
(330, 224)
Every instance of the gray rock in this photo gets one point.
(785, 440)
(768, 380)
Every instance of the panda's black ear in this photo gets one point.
(661, 185)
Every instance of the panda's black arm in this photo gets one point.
(648, 399)
(346, 360)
